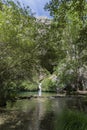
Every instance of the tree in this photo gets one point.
(18, 57)
(69, 19)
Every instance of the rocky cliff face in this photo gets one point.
(43, 20)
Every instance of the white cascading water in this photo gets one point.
(40, 91)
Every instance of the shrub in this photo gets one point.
(71, 120)
(28, 86)
(48, 85)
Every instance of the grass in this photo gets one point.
(71, 120)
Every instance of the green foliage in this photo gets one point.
(71, 120)
(17, 47)
(69, 21)
(65, 72)
(28, 86)
(48, 84)
(10, 90)
(26, 45)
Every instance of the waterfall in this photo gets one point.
(39, 91)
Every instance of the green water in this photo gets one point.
(44, 114)
(45, 94)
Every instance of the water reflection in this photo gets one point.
(43, 114)
(47, 123)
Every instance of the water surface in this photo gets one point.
(44, 114)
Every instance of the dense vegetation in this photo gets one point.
(71, 120)
(17, 48)
(29, 48)
(69, 39)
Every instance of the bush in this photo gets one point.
(28, 86)
(71, 120)
(8, 92)
(48, 85)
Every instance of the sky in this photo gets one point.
(37, 6)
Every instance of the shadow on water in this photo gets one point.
(47, 123)
(44, 114)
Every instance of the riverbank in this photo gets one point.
(56, 95)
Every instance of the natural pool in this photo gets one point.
(44, 114)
